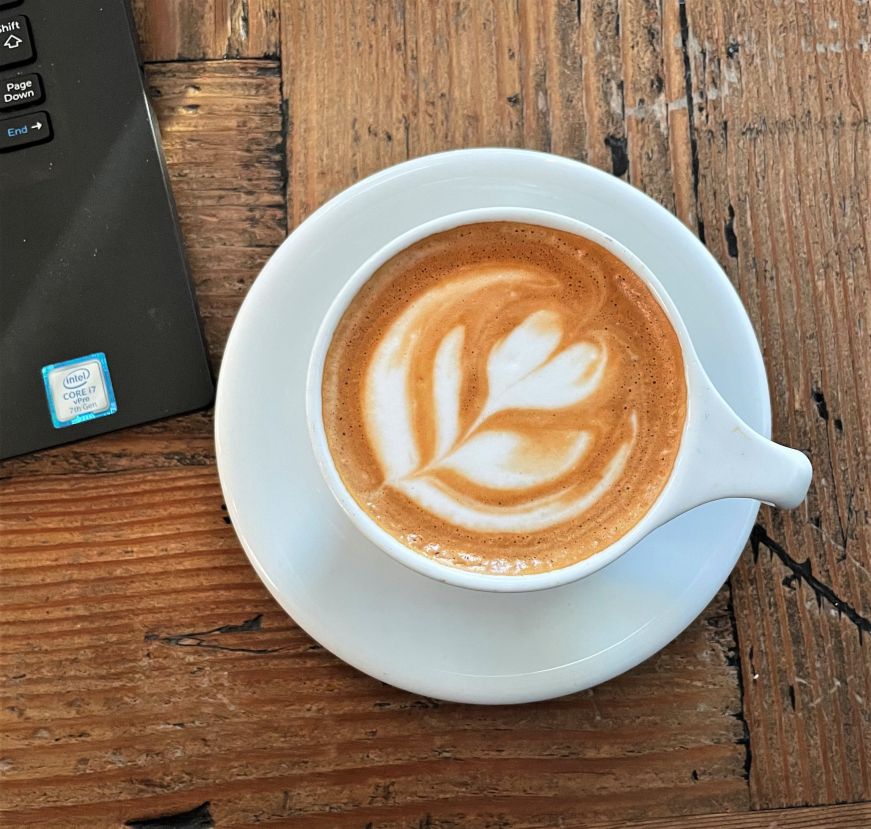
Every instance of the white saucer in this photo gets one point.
(382, 618)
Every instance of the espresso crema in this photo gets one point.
(505, 398)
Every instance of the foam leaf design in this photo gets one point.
(524, 373)
(525, 370)
(525, 349)
(533, 368)
(502, 459)
(388, 387)
(447, 379)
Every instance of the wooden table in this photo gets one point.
(147, 672)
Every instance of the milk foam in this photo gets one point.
(504, 398)
(532, 368)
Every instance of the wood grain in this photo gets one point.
(196, 29)
(222, 130)
(394, 81)
(847, 816)
(780, 106)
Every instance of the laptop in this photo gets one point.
(98, 321)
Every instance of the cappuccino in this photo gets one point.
(504, 398)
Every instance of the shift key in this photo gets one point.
(15, 43)
(24, 130)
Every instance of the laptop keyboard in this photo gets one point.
(19, 89)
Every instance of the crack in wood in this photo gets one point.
(619, 156)
(729, 233)
(197, 639)
(269, 57)
(200, 817)
(688, 88)
(244, 21)
(820, 402)
(283, 166)
(822, 407)
(802, 572)
(733, 659)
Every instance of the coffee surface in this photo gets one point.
(504, 398)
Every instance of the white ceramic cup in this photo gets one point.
(719, 455)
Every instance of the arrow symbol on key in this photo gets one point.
(37, 125)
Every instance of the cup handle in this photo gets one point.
(722, 457)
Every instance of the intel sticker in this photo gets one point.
(79, 390)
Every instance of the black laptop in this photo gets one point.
(98, 322)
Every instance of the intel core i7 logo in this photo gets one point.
(79, 390)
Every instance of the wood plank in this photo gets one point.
(343, 72)
(369, 87)
(782, 130)
(222, 132)
(845, 816)
(196, 29)
(146, 670)
(223, 137)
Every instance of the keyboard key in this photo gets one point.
(24, 130)
(16, 45)
(23, 91)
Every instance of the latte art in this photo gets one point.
(448, 466)
(504, 398)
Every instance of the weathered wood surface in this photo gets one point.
(397, 80)
(847, 816)
(782, 126)
(146, 671)
(196, 29)
(222, 130)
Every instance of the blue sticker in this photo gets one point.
(79, 390)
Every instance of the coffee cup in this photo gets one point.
(717, 454)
